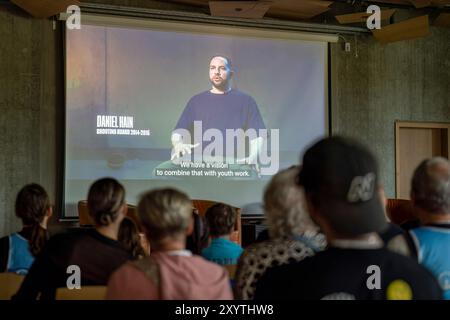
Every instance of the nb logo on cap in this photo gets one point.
(361, 188)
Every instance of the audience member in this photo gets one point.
(199, 238)
(130, 238)
(340, 180)
(171, 271)
(293, 236)
(221, 219)
(256, 209)
(430, 193)
(96, 252)
(18, 250)
(393, 236)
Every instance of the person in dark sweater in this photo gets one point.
(18, 250)
(96, 252)
(340, 180)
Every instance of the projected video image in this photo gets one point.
(176, 108)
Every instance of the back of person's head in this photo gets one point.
(430, 187)
(32, 206)
(221, 219)
(106, 201)
(284, 206)
(198, 239)
(340, 180)
(130, 238)
(165, 214)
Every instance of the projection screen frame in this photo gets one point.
(260, 28)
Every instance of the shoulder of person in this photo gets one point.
(200, 261)
(410, 269)
(198, 97)
(64, 241)
(272, 284)
(127, 271)
(294, 269)
(254, 249)
(74, 234)
(4, 252)
(242, 95)
(420, 280)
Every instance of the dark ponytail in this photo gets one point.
(105, 199)
(39, 237)
(32, 203)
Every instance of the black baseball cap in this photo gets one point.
(341, 178)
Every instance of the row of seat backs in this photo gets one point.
(10, 284)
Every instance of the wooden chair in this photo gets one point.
(400, 211)
(9, 284)
(85, 293)
(203, 205)
(86, 220)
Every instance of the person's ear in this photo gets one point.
(49, 212)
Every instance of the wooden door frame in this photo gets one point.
(400, 124)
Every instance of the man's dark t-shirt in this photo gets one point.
(231, 110)
(337, 274)
(96, 255)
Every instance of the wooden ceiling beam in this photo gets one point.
(44, 8)
(405, 30)
(239, 9)
(362, 16)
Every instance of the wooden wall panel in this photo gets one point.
(380, 84)
(413, 146)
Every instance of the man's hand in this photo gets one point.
(181, 149)
(251, 161)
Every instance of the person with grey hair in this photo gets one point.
(339, 177)
(430, 193)
(170, 272)
(293, 236)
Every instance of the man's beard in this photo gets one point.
(222, 85)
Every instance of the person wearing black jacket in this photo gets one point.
(340, 180)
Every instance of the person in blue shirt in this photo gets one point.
(221, 219)
(430, 193)
(18, 250)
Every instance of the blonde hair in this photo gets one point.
(165, 213)
(284, 206)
